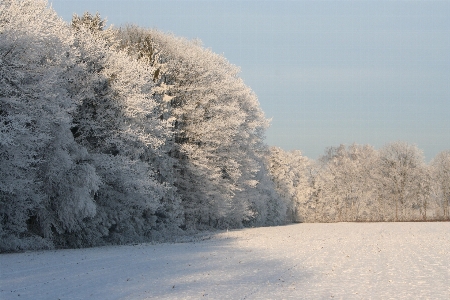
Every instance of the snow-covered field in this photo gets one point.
(302, 261)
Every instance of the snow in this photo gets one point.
(301, 261)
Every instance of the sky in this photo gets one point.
(325, 72)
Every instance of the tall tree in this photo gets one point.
(440, 169)
(347, 180)
(117, 121)
(290, 173)
(217, 123)
(46, 186)
(402, 175)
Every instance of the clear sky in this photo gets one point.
(326, 72)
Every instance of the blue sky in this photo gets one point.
(326, 72)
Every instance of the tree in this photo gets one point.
(402, 176)
(290, 173)
(217, 123)
(116, 136)
(440, 169)
(347, 180)
(117, 121)
(81, 141)
(47, 186)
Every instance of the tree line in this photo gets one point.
(119, 135)
(358, 183)
(111, 136)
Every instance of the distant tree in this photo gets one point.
(347, 181)
(266, 206)
(440, 170)
(402, 178)
(314, 206)
(290, 173)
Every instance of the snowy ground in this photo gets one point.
(302, 261)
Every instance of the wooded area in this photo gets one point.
(111, 136)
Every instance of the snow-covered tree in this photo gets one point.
(217, 123)
(347, 181)
(403, 179)
(46, 186)
(440, 170)
(118, 123)
(358, 183)
(81, 143)
(290, 172)
(112, 136)
(123, 135)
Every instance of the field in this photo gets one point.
(301, 261)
